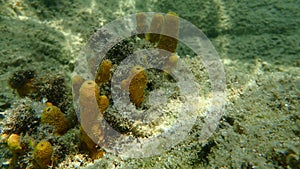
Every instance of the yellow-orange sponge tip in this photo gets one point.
(53, 116)
(103, 103)
(141, 23)
(42, 154)
(169, 36)
(138, 85)
(103, 74)
(14, 143)
(155, 28)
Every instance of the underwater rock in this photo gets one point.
(22, 118)
(22, 81)
(52, 88)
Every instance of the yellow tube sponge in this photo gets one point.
(169, 35)
(137, 85)
(14, 143)
(90, 145)
(88, 90)
(42, 154)
(141, 24)
(103, 73)
(103, 103)
(89, 100)
(155, 28)
(171, 62)
(76, 82)
(53, 116)
(92, 105)
(125, 84)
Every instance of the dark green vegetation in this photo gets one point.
(258, 43)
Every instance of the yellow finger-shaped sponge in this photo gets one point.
(53, 116)
(42, 154)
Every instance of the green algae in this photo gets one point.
(257, 42)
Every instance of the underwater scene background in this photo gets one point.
(258, 45)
